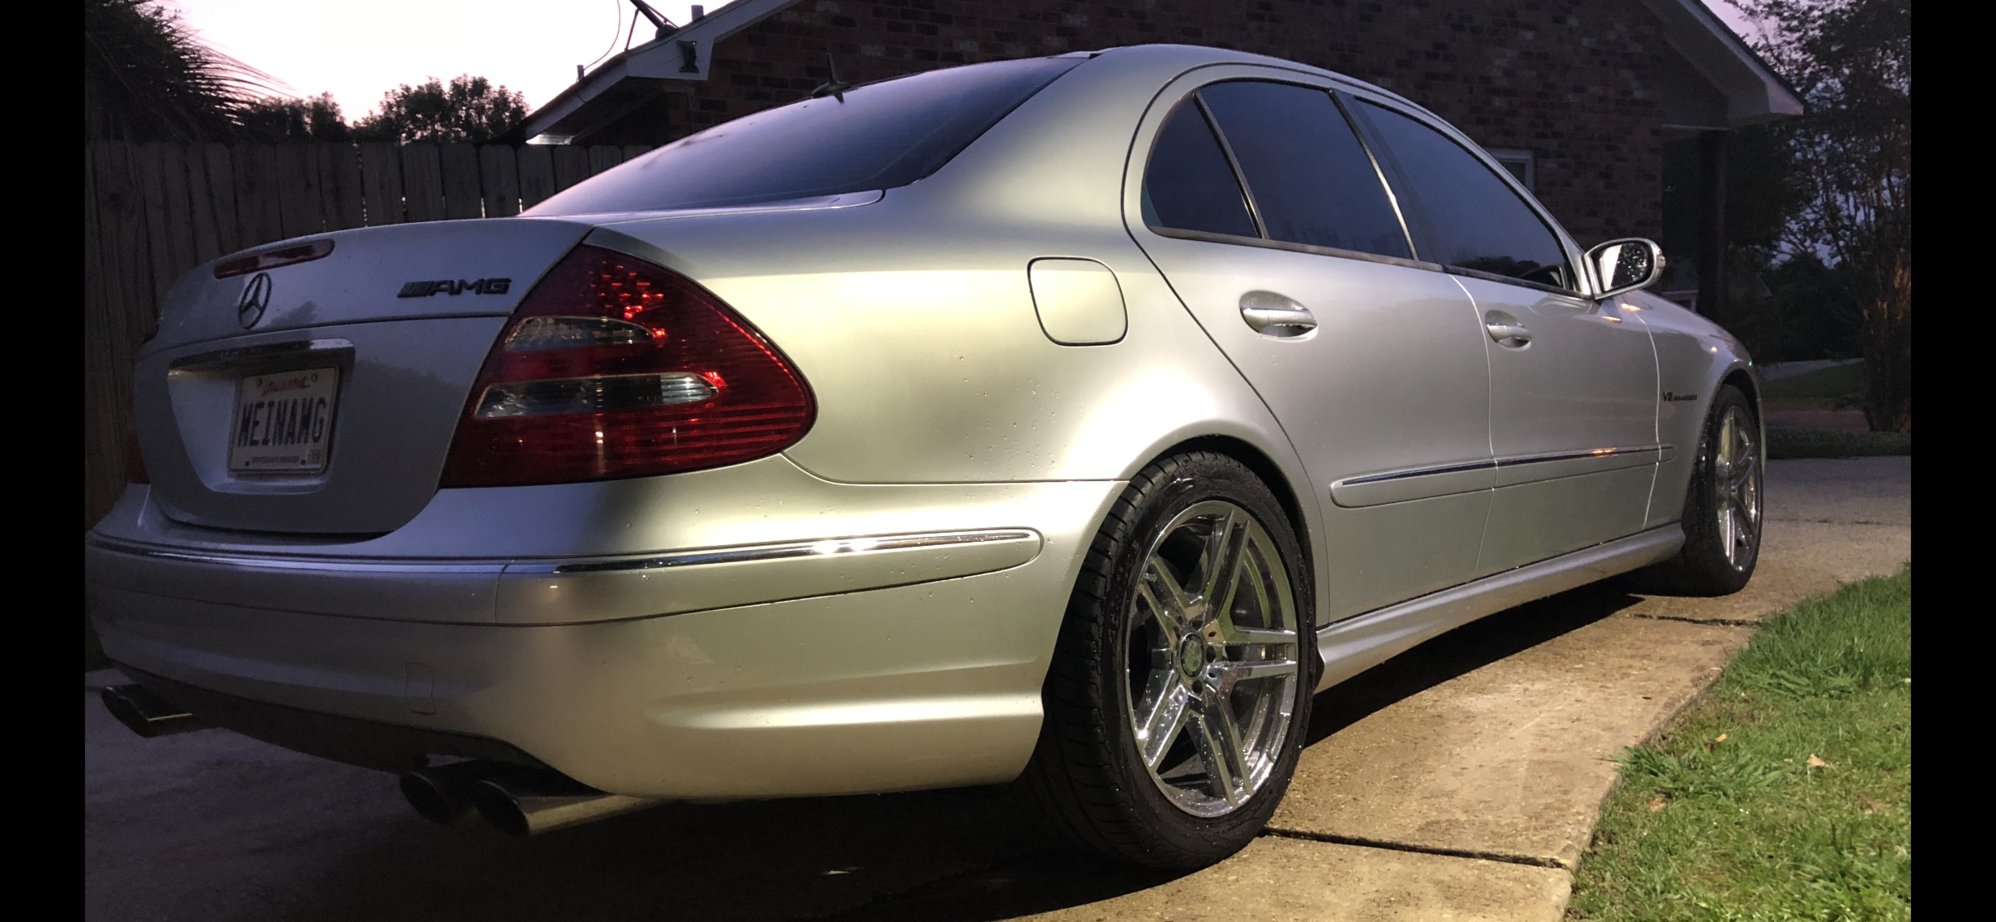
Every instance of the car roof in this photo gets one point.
(1191, 57)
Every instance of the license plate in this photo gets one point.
(284, 422)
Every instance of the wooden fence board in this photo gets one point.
(536, 175)
(149, 182)
(221, 170)
(257, 205)
(603, 157)
(179, 216)
(499, 174)
(571, 165)
(300, 199)
(339, 167)
(126, 292)
(634, 151)
(381, 177)
(201, 206)
(102, 439)
(462, 196)
(422, 182)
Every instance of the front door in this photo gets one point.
(1573, 382)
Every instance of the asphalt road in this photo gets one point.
(1458, 781)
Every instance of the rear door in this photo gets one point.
(1573, 380)
(1272, 224)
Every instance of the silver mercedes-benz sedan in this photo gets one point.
(1064, 422)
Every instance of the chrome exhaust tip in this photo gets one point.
(442, 793)
(147, 714)
(527, 803)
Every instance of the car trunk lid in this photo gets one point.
(319, 396)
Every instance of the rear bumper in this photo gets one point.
(933, 682)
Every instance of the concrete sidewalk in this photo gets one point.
(1459, 782)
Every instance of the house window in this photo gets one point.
(1519, 162)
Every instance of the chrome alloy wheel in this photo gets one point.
(1736, 480)
(1212, 667)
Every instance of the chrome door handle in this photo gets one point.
(1271, 314)
(1506, 330)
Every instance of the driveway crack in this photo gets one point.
(1715, 622)
(1389, 845)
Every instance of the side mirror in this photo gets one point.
(1626, 265)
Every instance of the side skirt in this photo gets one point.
(1356, 644)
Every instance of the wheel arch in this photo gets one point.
(1264, 467)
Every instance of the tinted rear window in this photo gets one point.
(883, 135)
(1188, 184)
(1476, 220)
(1311, 180)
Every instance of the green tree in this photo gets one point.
(1853, 155)
(148, 77)
(470, 109)
(276, 119)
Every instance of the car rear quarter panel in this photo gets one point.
(912, 318)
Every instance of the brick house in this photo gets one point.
(1581, 100)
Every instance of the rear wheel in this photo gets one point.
(1722, 509)
(1181, 686)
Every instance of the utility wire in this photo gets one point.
(618, 5)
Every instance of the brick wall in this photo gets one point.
(1571, 82)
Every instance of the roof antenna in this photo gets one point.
(835, 88)
(662, 24)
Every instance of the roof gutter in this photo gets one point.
(1754, 92)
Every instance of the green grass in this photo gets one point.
(1843, 382)
(1786, 792)
(1783, 444)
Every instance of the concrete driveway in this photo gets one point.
(1458, 782)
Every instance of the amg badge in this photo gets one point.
(454, 287)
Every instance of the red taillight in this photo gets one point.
(615, 367)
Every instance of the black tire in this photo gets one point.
(1088, 781)
(1718, 558)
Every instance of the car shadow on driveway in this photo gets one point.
(325, 842)
(1464, 650)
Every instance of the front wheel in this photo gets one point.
(1722, 509)
(1181, 686)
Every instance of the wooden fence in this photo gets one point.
(151, 212)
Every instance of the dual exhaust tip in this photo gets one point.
(516, 800)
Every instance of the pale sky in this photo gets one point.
(360, 49)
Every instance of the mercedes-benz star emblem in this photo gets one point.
(256, 299)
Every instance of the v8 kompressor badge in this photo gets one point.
(454, 287)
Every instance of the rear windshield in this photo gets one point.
(883, 135)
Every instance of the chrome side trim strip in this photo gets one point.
(824, 548)
(1483, 465)
(1486, 473)
(737, 554)
(1356, 644)
(1578, 455)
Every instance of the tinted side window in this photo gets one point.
(1311, 180)
(1188, 184)
(881, 135)
(1476, 220)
